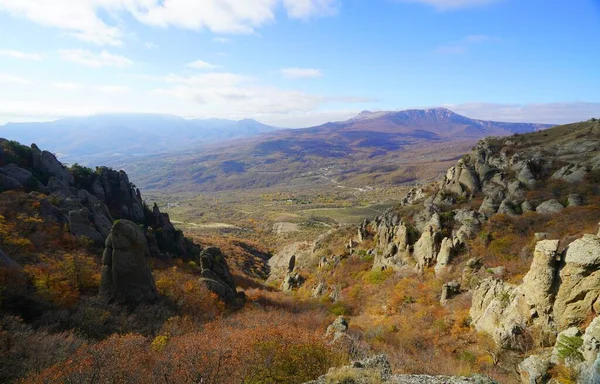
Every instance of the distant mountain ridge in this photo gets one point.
(97, 139)
(373, 148)
(440, 121)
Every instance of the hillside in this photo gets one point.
(382, 148)
(99, 139)
(490, 270)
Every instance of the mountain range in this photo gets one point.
(98, 139)
(371, 148)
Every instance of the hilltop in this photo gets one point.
(374, 148)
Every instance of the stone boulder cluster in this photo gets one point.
(377, 369)
(104, 207)
(558, 294)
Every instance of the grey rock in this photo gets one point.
(7, 183)
(534, 369)
(338, 328)
(526, 206)
(449, 290)
(46, 163)
(126, 277)
(570, 173)
(580, 282)
(81, 226)
(549, 207)
(575, 200)
(215, 273)
(444, 256)
(291, 281)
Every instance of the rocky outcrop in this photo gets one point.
(79, 224)
(126, 277)
(580, 282)
(378, 369)
(461, 179)
(444, 256)
(549, 207)
(506, 311)
(47, 164)
(215, 274)
(534, 369)
(337, 329)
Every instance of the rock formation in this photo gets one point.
(126, 277)
(215, 274)
(377, 369)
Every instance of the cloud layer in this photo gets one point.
(81, 18)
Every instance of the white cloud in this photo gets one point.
(224, 93)
(305, 9)
(112, 89)
(95, 60)
(12, 79)
(549, 113)
(295, 73)
(80, 18)
(200, 64)
(452, 4)
(150, 45)
(20, 55)
(67, 86)
(463, 45)
(221, 40)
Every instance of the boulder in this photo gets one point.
(591, 342)
(291, 281)
(428, 246)
(378, 369)
(126, 277)
(449, 290)
(47, 164)
(534, 369)
(579, 291)
(7, 183)
(444, 256)
(575, 200)
(538, 286)
(80, 226)
(570, 173)
(526, 175)
(549, 207)
(461, 179)
(102, 219)
(338, 328)
(215, 273)
(507, 207)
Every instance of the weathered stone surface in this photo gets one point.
(461, 179)
(444, 256)
(449, 289)
(338, 328)
(102, 219)
(46, 163)
(534, 369)
(80, 226)
(575, 200)
(215, 273)
(570, 173)
(428, 246)
(7, 183)
(526, 175)
(591, 342)
(378, 369)
(126, 277)
(539, 283)
(580, 282)
(550, 206)
(291, 281)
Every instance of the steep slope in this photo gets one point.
(494, 267)
(98, 139)
(371, 149)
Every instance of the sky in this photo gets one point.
(295, 63)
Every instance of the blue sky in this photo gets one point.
(300, 62)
